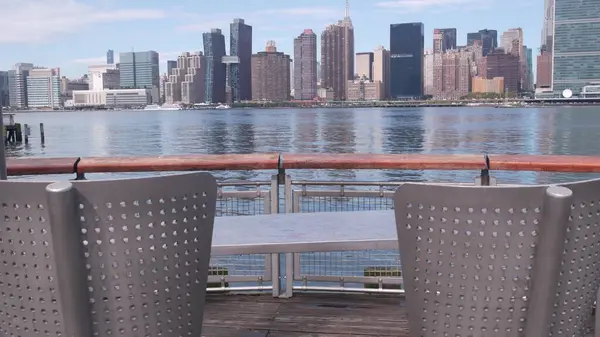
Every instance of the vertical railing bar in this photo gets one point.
(275, 275)
(289, 275)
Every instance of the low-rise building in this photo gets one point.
(365, 90)
(483, 85)
(118, 98)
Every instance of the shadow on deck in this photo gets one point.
(305, 314)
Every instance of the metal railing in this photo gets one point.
(352, 271)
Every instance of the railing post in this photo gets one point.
(69, 258)
(3, 172)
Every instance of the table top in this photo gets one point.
(304, 232)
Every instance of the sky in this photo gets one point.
(71, 34)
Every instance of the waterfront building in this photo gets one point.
(110, 56)
(118, 98)
(43, 88)
(337, 56)
(139, 70)
(4, 94)
(576, 48)
(104, 76)
(364, 65)
(544, 70)
(305, 66)
(428, 62)
(444, 39)
(406, 64)
(240, 73)
(381, 70)
(363, 89)
(271, 75)
(512, 43)
(499, 64)
(67, 87)
(453, 70)
(186, 82)
(17, 85)
(215, 73)
(484, 85)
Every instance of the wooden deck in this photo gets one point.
(304, 315)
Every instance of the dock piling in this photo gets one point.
(26, 133)
(42, 134)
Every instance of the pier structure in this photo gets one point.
(291, 257)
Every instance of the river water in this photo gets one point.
(560, 130)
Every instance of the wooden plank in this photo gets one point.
(316, 314)
(27, 166)
(348, 315)
(256, 161)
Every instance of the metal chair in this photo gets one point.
(481, 261)
(106, 258)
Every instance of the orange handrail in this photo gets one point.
(272, 161)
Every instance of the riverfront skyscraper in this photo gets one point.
(576, 45)
(407, 46)
(215, 71)
(240, 45)
(305, 65)
(139, 70)
(337, 56)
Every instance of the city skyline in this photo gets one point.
(75, 45)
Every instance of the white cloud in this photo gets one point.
(421, 5)
(164, 57)
(40, 20)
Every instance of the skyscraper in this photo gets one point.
(139, 70)
(240, 45)
(407, 44)
(110, 56)
(337, 56)
(17, 84)
(381, 70)
(215, 71)
(4, 96)
(271, 74)
(171, 64)
(305, 65)
(364, 65)
(576, 50)
(486, 38)
(444, 39)
(186, 82)
(43, 88)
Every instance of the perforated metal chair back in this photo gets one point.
(30, 304)
(131, 257)
(579, 278)
(468, 253)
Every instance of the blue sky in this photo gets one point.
(71, 34)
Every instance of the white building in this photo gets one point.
(43, 88)
(428, 72)
(186, 81)
(104, 76)
(118, 98)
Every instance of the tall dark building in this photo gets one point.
(488, 40)
(444, 39)
(110, 57)
(171, 64)
(215, 74)
(407, 44)
(240, 45)
(4, 96)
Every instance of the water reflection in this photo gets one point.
(430, 130)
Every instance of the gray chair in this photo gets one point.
(482, 261)
(106, 258)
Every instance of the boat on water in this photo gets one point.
(152, 107)
(222, 106)
(163, 107)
